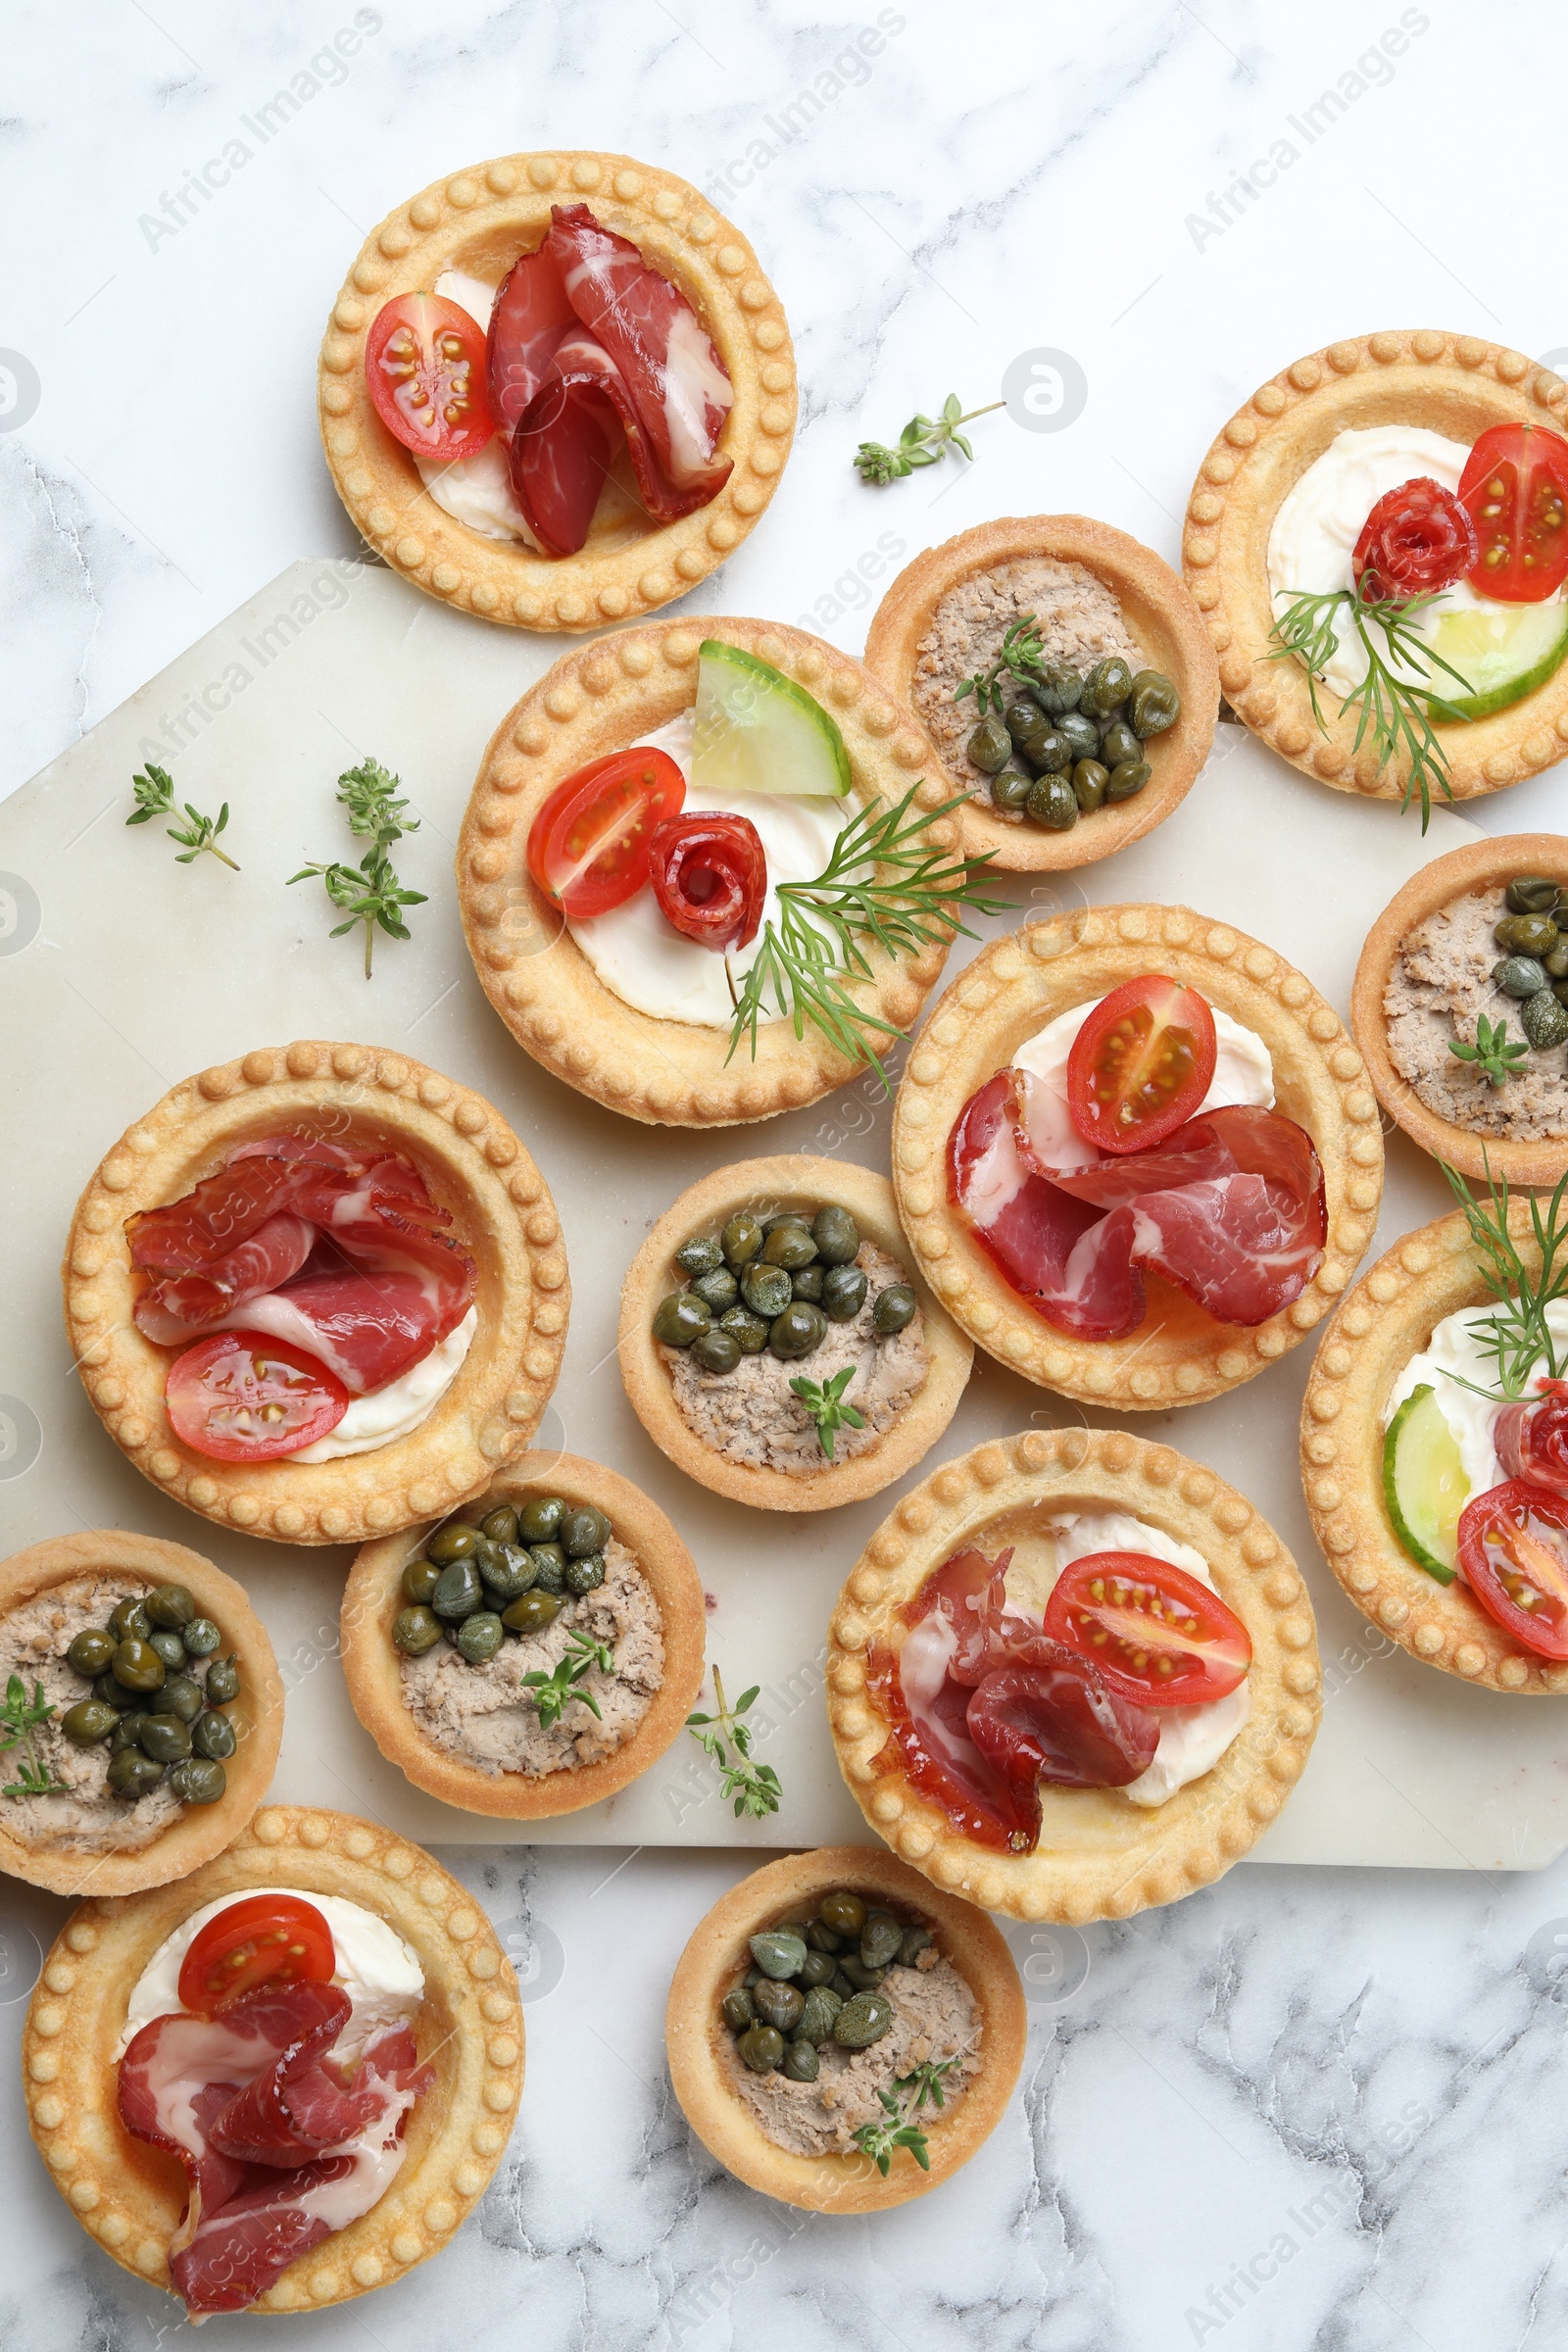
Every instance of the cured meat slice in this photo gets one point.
(1056, 1720)
(301, 2108)
(564, 442)
(530, 315)
(183, 1303)
(235, 2253)
(1531, 1438)
(367, 1329)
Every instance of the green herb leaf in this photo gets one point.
(154, 797)
(553, 1691)
(1492, 1051)
(369, 793)
(921, 2088)
(922, 442)
(826, 1405)
(755, 1787)
(1517, 1337)
(20, 1718)
(1019, 657)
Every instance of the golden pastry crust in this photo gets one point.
(373, 1598)
(1389, 1317)
(791, 1180)
(1179, 1355)
(598, 699)
(473, 1165)
(695, 2031)
(200, 1831)
(1479, 866)
(130, 2195)
(1107, 1858)
(1160, 614)
(1457, 385)
(481, 220)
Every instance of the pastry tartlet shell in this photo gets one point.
(791, 1180)
(199, 1831)
(598, 699)
(1387, 1318)
(1179, 1355)
(130, 2195)
(1457, 385)
(1162, 1853)
(1160, 614)
(373, 1597)
(695, 2031)
(487, 215)
(1479, 866)
(473, 1162)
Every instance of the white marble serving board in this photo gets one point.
(121, 971)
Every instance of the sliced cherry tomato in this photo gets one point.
(1515, 487)
(1417, 539)
(275, 1939)
(241, 1397)
(1140, 1064)
(588, 845)
(1513, 1549)
(425, 362)
(710, 876)
(1158, 1636)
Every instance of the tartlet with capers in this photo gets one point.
(776, 1342)
(534, 1652)
(142, 1717)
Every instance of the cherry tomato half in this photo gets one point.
(1417, 539)
(1513, 1549)
(1515, 488)
(1158, 1634)
(710, 876)
(275, 1939)
(425, 362)
(1140, 1064)
(588, 845)
(241, 1397)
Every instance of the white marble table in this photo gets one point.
(1305, 2107)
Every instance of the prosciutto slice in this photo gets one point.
(1531, 1439)
(564, 443)
(531, 315)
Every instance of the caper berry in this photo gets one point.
(818, 2012)
(1118, 743)
(741, 1239)
(451, 1543)
(128, 1731)
(779, 1952)
(911, 1944)
(419, 1579)
(221, 1684)
(88, 1722)
(539, 1521)
(1024, 721)
(134, 1775)
(169, 1647)
(680, 1319)
(170, 1606)
(738, 2008)
(499, 1526)
(506, 1569)
(114, 1694)
(869, 2015)
(1081, 733)
(748, 1331)
(863, 1978)
(585, 1575)
(766, 1291)
(843, 1290)
(806, 1283)
(92, 1652)
(550, 1568)
(717, 1352)
(988, 747)
(583, 1530)
(1058, 691)
(213, 1736)
(790, 1245)
(896, 1309)
(1009, 789)
(800, 2061)
(1090, 778)
(531, 1614)
(199, 1781)
(836, 1234)
(138, 1666)
(1519, 976)
(1128, 777)
(1052, 804)
(458, 1593)
(700, 1255)
(1109, 683)
(182, 1695)
(778, 2005)
(129, 1621)
(1531, 894)
(1530, 934)
(414, 1631)
(761, 2048)
(200, 1637)
(164, 1738)
(718, 1290)
(822, 1939)
(879, 1942)
(1153, 704)
(797, 1331)
(479, 1636)
(1543, 1021)
(843, 1912)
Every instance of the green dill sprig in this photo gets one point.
(1492, 1053)
(922, 442)
(887, 883)
(826, 1406)
(922, 2089)
(369, 893)
(1018, 657)
(20, 1717)
(1517, 1336)
(154, 797)
(551, 1692)
(754, 1787)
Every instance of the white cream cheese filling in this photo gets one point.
(399, 1408)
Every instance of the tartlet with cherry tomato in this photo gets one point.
(1075, 1674)
(1384, 527)
(1136, 1155)
(318, 1292)
(555, 389)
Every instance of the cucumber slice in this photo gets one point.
(1503, 655)
(756, 731)
(1424, 1484)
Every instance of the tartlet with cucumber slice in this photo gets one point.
(778, 1340)
(1379, 542)
(709, 872)
(1435, 1442)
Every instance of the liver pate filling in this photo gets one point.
(1440, 983)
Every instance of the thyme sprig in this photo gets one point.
(887, 884)
(754, 1787)
(370, 794)
(369, 893)
(922, 2089)
(1492, 1053)
(20, 1717)
(922, 442)
(1396, 701)
(1019, 657)
(1518, 1336)
(826, 1406)
(154, 797)
(551, 1692)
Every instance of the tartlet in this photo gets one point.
(598, 699)
(130, 2195)
(792, 1180)
(1180, 1354)
(1111, 1859)
(200, 1831)
(693, 2031)
(486, 216)
(1160, 617)
(1459, 385)
(1479, 866)
(373, 1598)
(1386, 1319)
(474, 1164)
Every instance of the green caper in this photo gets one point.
(680, 1319)
(1090, 778)
(843, 1290)
(499, 1526)
(1556, 960)
(863, 1978)
(92, 1652)
(1520, 976)
(88, 1722)
(170, 1606)
(818, 2012)
(1058, 691)
(717, 1350)
(1531, 894)
(896, 1309)
(213, 1736)
(822, 1939)
(990, 746)
(748, 1331)
(718, 1290)
(1052, 753)
(839, 1984)
(797, 1331)
(1118, 743)
(800, 2061)
(911, 1944)
(585, 1575)
(129, 1621)
(817, 1968)
(1109, 683)
(879, 1942)
(583, 1530)
(843, 1912)
(741, 1239)
(479, 1636)
(836, 1234)
(1024, 720)
(414, 1631)
(114, 1694)
(164, 1738)
(1153, 704)
(1052, 804)
(169, 1647)
(1530, 934)
(761, 2048)
(778, 2005)
(200, 1637)
(700, 1255)
(531, 1614)
(138, 1666)
(1543, 1021)
(790, 1245)
(506, 1569)
(221, 1684)
(550, 1568)
(128, 1731)
(199, 1781)
(806, 1283)
(1128, 777)
(1081, 733)
(779, 1952)
(451, 1543)
(1559, 989)
(182, 1695)
(866, 2018)
(459, 1592)
(134, 1775)
(539, 1521)
(766, 1291)
(739, 2009)
(1009, 789)
(419, 1579)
